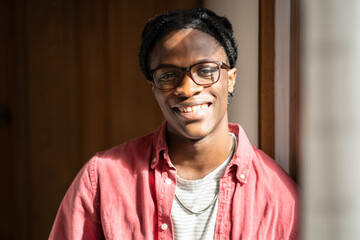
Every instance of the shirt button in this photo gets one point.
(168, 181)
(242, 176)
(154, 160)
(164, 226)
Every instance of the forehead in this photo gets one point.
(186, 47)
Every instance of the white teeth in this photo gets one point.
(193, 108)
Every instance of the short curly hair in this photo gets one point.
(201, 19)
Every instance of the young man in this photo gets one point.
(197, 176)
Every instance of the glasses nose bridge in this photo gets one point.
(187, 87)
(187, 71)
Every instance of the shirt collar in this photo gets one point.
(241, 160)
(243, 154)
(160, 149)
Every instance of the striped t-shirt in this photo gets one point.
(197, 195)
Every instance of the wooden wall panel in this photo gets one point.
(295, 89)
(267, 76)
(74, 87)
(52, 136)
(20, 174)
(160, 6)
(6, 71)
(91, 64)
(130, 100)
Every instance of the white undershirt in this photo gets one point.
(197, 195)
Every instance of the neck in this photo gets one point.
(194, 159)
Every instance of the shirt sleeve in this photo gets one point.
(78, 215)
(294, 232)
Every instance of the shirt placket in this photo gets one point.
(166, 185)
(223, 224)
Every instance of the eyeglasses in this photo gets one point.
(203, 73)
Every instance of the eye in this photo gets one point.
(168, 77)
(206, 71)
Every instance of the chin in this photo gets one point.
(193, 131)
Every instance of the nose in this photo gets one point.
(187, 87)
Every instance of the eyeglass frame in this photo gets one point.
(187, 70)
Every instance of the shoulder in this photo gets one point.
(267, 170)
(129, 156)
(278, 191)
(272, 179)
(129, 148)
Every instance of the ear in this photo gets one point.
(151, 84)
(231, 79)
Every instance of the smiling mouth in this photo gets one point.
(195, 108)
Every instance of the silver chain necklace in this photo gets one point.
(196, 212)
(186, 208)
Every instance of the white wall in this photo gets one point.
(244, 16)
(331, 120)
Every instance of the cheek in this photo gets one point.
(161, 98)
(223, 92)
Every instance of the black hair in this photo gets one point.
(200, 19)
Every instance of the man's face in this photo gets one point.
(192, 111)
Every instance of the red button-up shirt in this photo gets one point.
(125, 193)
